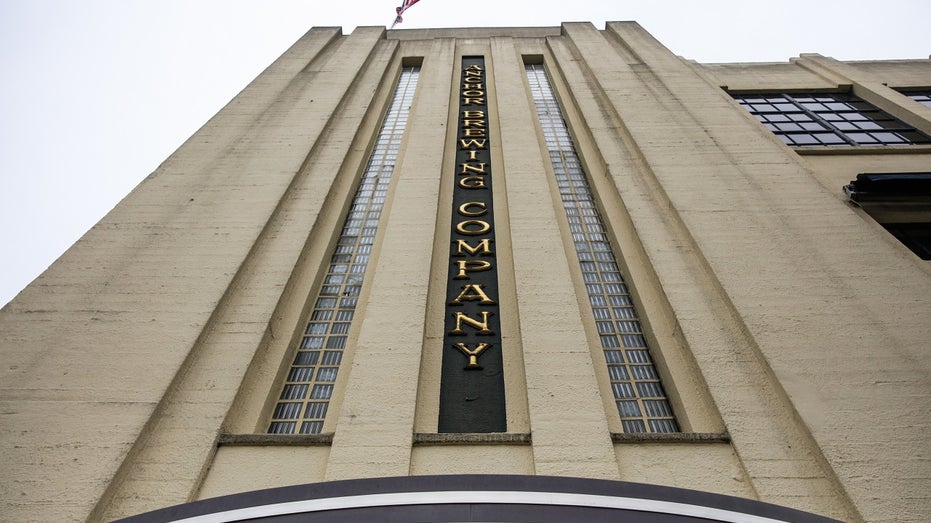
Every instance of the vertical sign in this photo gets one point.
(472, 379)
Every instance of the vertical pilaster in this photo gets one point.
(871, 89)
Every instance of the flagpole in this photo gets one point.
(400, 10)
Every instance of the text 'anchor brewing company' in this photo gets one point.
(472, 382)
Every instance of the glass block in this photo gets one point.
(313, 342)
(279, 427)
(643, 372)
(294, 392)
(663, 425)
(309, 427)
(618, 372)
(326, 374)
(638, 356)
(332, 357)
(316, 328)
(650, 389)
(321, 392)
(624, 390)
(610, 341)
(301, 374)
(306, 358)
(287, 411)
(657, 408)
(614, 356)
(316, 410)
(628, 408)
(336, 342)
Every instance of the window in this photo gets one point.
(640, 398)
(832, 119)
(923, 96)
(900, 202)
(308, 386)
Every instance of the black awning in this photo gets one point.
(890, 187)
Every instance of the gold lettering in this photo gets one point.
(484, 246)
(473, 67)
(468, 133)
(464, 209)
(473, 123)
(473, 101)
(473, 291)
(482, 326)
(483, 227)
(472, 182)
(467, 168)
(473, 92)
(476, 266)
(473, 86)
(478, 144)
(473, 114)
(472, 354)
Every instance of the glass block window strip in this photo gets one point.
(308, 386)
(638, 393)
(835, 119)
(922, 97)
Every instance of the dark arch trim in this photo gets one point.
(478, 498)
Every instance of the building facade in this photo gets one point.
(538, 252)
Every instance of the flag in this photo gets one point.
(405, 4)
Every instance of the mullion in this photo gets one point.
(815, 117)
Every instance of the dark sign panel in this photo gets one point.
(472, 378)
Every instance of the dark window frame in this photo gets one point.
(919, 94)
(828, 120)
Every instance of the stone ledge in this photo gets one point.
(491, 438)
(271, 440)
(672, 437)
(827, 150)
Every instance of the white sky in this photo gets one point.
(94, 94)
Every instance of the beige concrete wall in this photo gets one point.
(472, 459)
(237, 469)
(171, 322)
(897, 73)
(708, 467)
(643, 128)
(794, 266)
(780, 77)
(98, 338)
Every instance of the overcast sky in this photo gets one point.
(94, 94)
